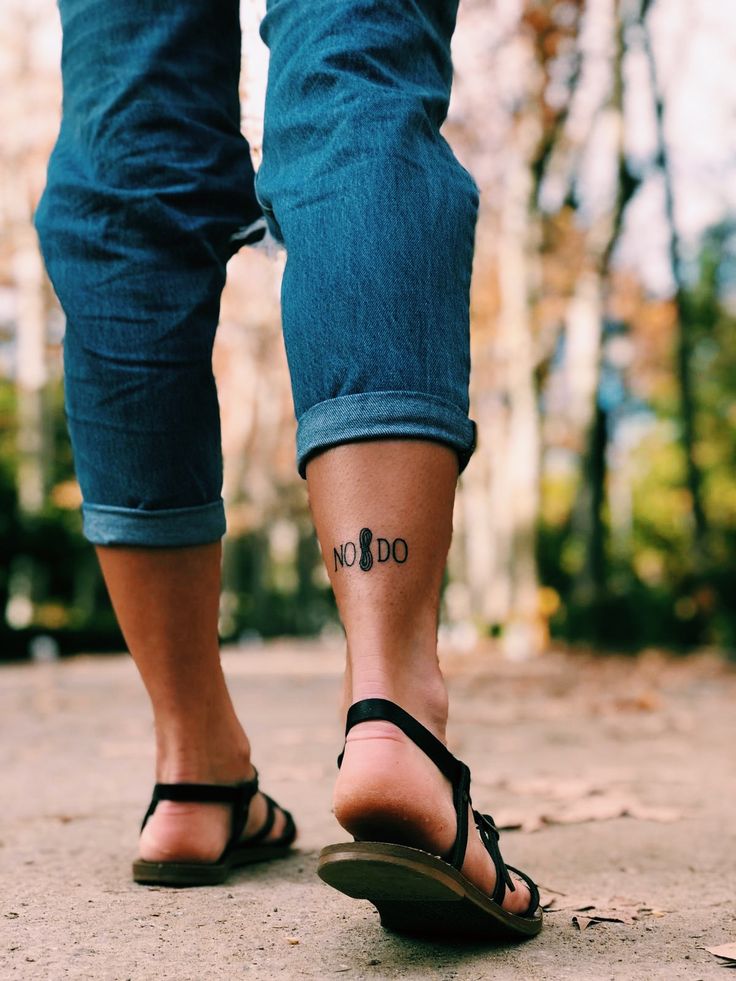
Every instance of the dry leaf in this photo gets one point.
(591, 809)
(553, 788)
(647, 701)
(604, 916)
(618, 909)
(645, 813)
(596, 807)
(528, 820)
(582, 922)
(725, 951)
(549, 897)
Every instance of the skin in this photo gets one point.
(387, 789)
(166, 601)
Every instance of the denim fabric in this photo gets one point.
(149, 186)
(377, 217)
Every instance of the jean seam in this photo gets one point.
(113, 509)
(447, 429)
(398, 392)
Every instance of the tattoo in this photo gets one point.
(397, 549)
(366, 559)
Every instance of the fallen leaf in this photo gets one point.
(517, 820)
(618, 909)
(603, 916)
(553, 788)
(581, 922)
(648, 701)
(595, 807)
(726, 951)
(591, 809)
(548, 897)
(645, 813)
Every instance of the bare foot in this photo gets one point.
(389, 790)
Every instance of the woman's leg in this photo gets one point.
(378, 220)
(377, 217)
(403, 492)
(148, 182)
(167, 601)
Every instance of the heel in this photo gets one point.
(415, 891)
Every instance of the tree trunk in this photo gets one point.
(688, 402)
(523, 635)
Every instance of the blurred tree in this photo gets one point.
(601, 498)
(688, 407)
(33, 434)
(589, 311)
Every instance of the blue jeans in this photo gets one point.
(150, 185)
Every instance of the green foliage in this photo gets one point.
(661, 589)
(658, 589)
(276, 599)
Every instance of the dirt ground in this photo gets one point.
(619, 776)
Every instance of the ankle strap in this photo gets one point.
(381, 709)
(375, 709)
(238, 797)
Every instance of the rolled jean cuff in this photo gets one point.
(383, 415)
(107, 525)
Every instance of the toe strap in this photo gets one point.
(490, 834)
(268, 824)
(288, 834)
(533, 890)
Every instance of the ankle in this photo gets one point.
(420, 690)
(189, 755)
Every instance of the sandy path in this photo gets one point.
(560, 736)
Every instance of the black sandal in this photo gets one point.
(417, 892)
(236, 852)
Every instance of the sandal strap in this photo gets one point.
(288, 834)
(490, 834)
(533, 891)
(457, 772)
(381, 709)
(238, 797)
(375, 709)
(268, 824)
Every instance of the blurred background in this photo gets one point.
(600, 505)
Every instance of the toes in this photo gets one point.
(517, 901)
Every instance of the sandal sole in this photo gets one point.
(184, 874)
(179, 873)
(418, 894)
